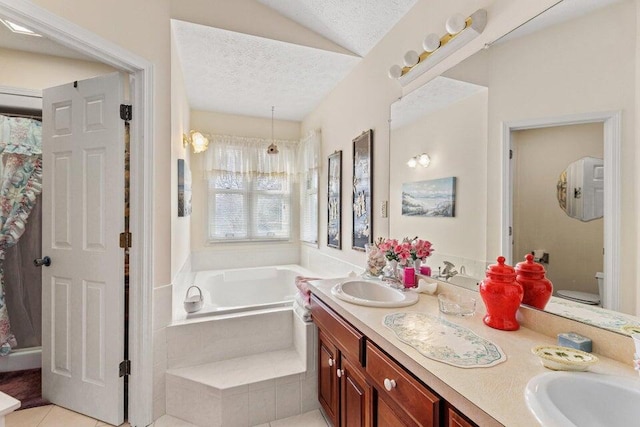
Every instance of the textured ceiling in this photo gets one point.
(357, 25)
(433, 96)
(242, 74)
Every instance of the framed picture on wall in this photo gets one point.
(435, 197)
(362, 231)
(334, 201)
(184, 189)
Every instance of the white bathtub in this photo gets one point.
(239, 290)
(19, 360)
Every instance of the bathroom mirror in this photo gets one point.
(580, 189)
(544, 70)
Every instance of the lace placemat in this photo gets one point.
(444, 341)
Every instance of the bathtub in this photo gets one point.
(240, 290)
(18, 360)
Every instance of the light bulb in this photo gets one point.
(199, 142)
(411, 58)
(395, 72)
(412, 163)
(424, 160)
(431, 42)
(455, 23)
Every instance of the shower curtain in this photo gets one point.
(20, 184)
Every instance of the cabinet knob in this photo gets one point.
(340, 372)
(330, 362)
(389, 384)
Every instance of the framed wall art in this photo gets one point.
(184, 189)
(436, 197)
(334, 201)
(362, 230)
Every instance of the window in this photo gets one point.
(244, 207)
(249, 190)
(309, 169)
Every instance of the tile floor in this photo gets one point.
(55, 416)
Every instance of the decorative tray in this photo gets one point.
(444, 341)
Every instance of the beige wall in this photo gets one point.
(35, 71)
(574, 247)
(455, 138)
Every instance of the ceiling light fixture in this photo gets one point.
(199, 142)
(460, 31)
(273, 148)
(19, 29)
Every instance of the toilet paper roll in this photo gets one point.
(538, 254)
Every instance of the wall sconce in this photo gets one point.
(199, 142)
(460, 31)
(423, 160)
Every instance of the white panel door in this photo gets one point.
(83, 214)
(593, 189)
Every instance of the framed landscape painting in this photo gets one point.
(184, 189)
(334, 201)
(362, 232)
(436, 197)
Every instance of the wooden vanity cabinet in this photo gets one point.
(343, 391)
(359, 385)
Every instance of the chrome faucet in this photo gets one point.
(448, 272)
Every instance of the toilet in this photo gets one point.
(584, 297)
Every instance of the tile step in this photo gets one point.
(233, 375)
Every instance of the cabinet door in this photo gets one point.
(385, 416)
(355, 393)
(455, 419)
(327, 378)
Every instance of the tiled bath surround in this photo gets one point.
(241, 370)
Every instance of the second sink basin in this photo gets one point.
(584, 399)
(373, 294)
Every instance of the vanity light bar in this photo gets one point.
(449, 43)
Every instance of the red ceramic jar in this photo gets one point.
(502, 296)
(537, 288)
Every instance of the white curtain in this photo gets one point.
(249, 156)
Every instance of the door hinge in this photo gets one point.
(125, 240)
(126, 112)
(510, 231)
(510, 154)
(125, 368)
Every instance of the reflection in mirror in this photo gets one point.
(546, 69)
(584, 181)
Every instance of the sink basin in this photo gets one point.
(465, 281)
(584, 399)
(373, 294)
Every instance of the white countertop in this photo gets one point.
(489, 396)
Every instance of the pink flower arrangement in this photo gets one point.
(408, 249)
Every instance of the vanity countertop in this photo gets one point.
(489, 396)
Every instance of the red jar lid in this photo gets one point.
(528, 266)
(501, 269)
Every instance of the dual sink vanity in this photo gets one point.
(369, 377)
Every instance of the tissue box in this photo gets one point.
(573, 340)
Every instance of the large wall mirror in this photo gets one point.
(557, 94)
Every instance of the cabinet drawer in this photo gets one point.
(348, 340)
(414, 398)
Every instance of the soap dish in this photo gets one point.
(564, 358)
(456, 304)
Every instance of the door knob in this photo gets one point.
(39, 262)
(389, 384)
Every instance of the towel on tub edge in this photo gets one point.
(302, 301)
(303, 313)
(302, 285)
